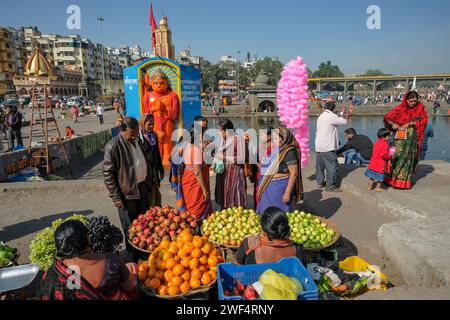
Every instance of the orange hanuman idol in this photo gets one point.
(164, 105)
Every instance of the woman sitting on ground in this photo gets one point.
(273, 244)
(81, 274)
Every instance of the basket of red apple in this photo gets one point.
(159, 223)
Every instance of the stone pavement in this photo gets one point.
(418, 243)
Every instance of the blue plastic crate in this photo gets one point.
(227, 273)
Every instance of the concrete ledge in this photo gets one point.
(420, 250)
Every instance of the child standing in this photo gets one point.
(380, 158)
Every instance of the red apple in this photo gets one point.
(135, 222)
(162, 233)
(184, 216)
(158, 229)
(171, 216)
(167, 223)
(139, 228)
(194, 224)
(142, 245)
(173, 226)
(172, 233)
(136, 241)
(139, 234)
(141, 217)
(147, 232)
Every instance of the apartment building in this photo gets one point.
(6, 62)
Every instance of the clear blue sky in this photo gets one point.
(415, 35)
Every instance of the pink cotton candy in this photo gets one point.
(292, 100)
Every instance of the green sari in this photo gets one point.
(404, 163)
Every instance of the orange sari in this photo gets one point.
(195, 202)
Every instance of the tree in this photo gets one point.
(374, 73)
(327, 70)
(271, 67)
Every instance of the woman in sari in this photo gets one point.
(408, 121)
(281, 182)
(80, 274)
(146, 123)
(231, 184)
(195, 181)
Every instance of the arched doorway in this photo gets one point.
(267, 106)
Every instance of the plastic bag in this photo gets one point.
(376, 280)
(271, 293)
(277, 284)
(219, 167)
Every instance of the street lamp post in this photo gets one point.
(101, 19)
(238, 75)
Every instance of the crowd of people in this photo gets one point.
(133, 172)
(393, 159)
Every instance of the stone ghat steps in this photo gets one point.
(418, 242)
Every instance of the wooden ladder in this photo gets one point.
(44, 117)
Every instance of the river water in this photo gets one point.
(439, 146)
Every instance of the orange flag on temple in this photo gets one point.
(153, 25)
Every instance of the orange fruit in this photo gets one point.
(159, 275)
(196, 274)
(170, 264)
(195, 283)
(182, 253)
(173, 249)
(167, 255)
(185, 287)
(203, 259)
(207, 248)
(155, 283)
(213, 261)
(173, 291)
(213, 274)
(186, 236)
(194, 263)
(203, 268)
(168, 276)
(163, 290)
(178, 270)
(160, 265)
(220, 258)
(177, 259)
(143, 267)
(188, 247)
(142, 275)
(186, 276)
(176, 282)
(165, 244)
(213, 269)
(185, 262)
(206, 278)
(196, 253)
(179, 243)
(197, 242)
(186, 232)
(151, 272)
(147, 283)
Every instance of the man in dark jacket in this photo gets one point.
(14, 124)
(359, 148)
(131, 172)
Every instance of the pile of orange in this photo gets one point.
(178, 267)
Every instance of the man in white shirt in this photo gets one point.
(100, 113)
(327, 143)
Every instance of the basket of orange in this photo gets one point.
(180, 269)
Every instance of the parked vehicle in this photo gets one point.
(74, 101)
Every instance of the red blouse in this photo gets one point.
(380, 156)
